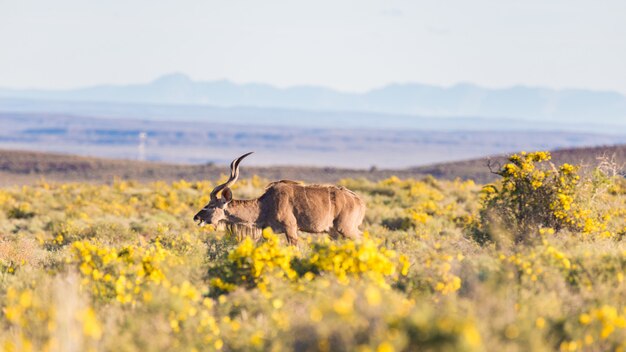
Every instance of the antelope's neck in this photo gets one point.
(244, 211)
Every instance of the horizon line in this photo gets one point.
(306, 85)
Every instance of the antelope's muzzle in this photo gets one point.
(200, 218)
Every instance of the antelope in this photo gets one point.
(286, 207)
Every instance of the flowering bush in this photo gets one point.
(365, 258)
(119, 273)
(603, 327)
(251, 266)
(533, 193)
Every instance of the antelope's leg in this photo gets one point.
(292, 235)
(347, 223)
(346, 230)
(355, 234)
(334, 234)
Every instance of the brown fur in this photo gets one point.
(289, 206)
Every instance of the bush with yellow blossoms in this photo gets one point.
(251, 265)
(31, 318)
(534, 193)
(437, 275)
(119, 273)
(365, 258)
(600, 328)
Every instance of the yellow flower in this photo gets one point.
(277, 303)
(91, 326)
(372, 294)
(315, 315)
(385, 346)
(218, 344)
(344, 305)
(256, 339)
(584, 319)
(540, 323)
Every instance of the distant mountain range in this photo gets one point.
(462, 100)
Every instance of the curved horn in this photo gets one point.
(234, 175)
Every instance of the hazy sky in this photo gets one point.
(347, 45)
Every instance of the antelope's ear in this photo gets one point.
(227, 194)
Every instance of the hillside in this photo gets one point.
(24, 167)
(477, 169)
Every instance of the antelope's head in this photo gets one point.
(216, 210)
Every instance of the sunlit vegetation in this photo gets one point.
(535, 261)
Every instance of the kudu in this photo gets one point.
(286, 207)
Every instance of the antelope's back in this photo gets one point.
(315, 206)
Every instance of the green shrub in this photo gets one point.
(21, 211)
(533, 194)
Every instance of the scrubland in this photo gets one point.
(533, 262)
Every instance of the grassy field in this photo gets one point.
(535, 262)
